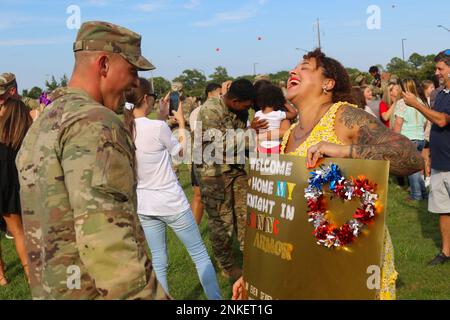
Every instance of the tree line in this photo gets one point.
(194, 81)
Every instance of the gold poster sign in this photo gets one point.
(282, 258)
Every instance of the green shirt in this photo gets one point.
(413, 121)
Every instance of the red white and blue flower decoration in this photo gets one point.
(326, 233)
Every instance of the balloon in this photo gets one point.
(259, 38)
(217, 49)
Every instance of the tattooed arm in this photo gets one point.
(370, 139)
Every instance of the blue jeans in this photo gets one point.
(186, 229)
(416, 183)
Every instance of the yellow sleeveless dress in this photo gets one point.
(324, 131)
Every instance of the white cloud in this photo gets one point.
(99, 3)
(12, 20)
(32, 42)
(241, 14)
(149, 6)
(192, 4)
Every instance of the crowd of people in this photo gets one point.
(96, 190)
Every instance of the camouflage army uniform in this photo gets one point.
(78, 196)
(188, 106)
(223, 186)
(378, 91)
(79, 203)
(31, 103)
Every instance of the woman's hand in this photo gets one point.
(238, 287)
(328, 149)
(178, 116)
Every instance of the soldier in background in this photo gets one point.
(77, 175)
(360, 80)
(8, 89)
(224, 185)
(212, 92)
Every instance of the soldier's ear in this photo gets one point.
(104, 63)
(12, 91)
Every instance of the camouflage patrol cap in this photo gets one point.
(359, 78)
(394, 79)
(177, 86)
(7, 81)
(105, 36)
(262, 77)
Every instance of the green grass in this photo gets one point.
(414, 231)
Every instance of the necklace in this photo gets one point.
(297, 138)
(300, 122)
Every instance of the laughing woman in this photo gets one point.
(331, 126)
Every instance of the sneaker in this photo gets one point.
(8, 235)
(441, 258)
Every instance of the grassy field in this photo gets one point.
(414, 232)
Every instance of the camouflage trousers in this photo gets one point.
(225, 202)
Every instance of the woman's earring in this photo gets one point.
(325, 91)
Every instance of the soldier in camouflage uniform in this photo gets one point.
(224, 186)
(8, 89)
(76, 170)
(188, 106)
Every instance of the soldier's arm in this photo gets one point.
(213, 123)
(99, 179)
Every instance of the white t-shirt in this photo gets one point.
(158, 191)
(273, 119)
(193, 118)
(369, 111)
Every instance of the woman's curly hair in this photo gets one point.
(333, 69)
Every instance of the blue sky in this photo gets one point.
(180, 34)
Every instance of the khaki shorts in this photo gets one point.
(439, 199)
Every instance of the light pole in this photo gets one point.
(318, 33)
(445, 28)
(254, 68)
(403, 48)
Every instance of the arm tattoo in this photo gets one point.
(375, 141)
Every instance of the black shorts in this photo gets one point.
(194, 177)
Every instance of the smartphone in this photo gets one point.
(174, 101)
